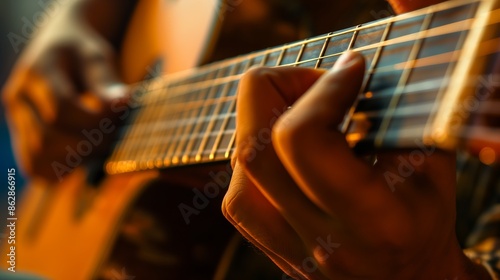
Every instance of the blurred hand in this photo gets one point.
(62, 84)
(319, 211)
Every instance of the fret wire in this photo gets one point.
(265, 57)
(331, 35)
(178, 131)
(299, 55)
(163, 154)
(211, 124)
(380, 70)
(166, 143)
(233, 137)
(280, 57)
(156, 114)
(439, 96)
(169, 131)
(141, 115)
(168, 124)
(162, 112)
(412, 88)
(119, 150)
(198, 136)
(231, 111)
(439, 31)
(193, 104)
(406, 111)
(223, 96)
(321, 53)
(172, 133)
(376, 57)
(443, 6)
(232, 108)
(354, 36)
(409, 110)
(198, 126)
(188, 127)
(142, 157)
(165, 114)
(402, 82)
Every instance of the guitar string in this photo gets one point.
(488, 107)
(302, 47)
(438, 31)
(403, 80)
(441, 7)
(488, 47)
(216, 111)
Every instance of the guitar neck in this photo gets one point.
(417, 63)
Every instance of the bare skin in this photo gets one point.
(320, 212)
(288, 200)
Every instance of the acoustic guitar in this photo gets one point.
(424, 70)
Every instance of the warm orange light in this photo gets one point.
(487, 156)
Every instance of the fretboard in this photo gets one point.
(413, 60)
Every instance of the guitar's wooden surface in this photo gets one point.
(60, 233)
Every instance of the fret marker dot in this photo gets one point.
(369, 95)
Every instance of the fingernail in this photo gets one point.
(346, 60)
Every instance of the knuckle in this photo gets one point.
(230, 206)
(288, 133)
(246, 155)
(254, 75)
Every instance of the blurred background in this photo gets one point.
(14, 15)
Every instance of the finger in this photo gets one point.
(315, 152)
(256, 155)
(258, 221)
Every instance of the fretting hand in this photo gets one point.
(318, 210)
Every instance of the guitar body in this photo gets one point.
(60, 233)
